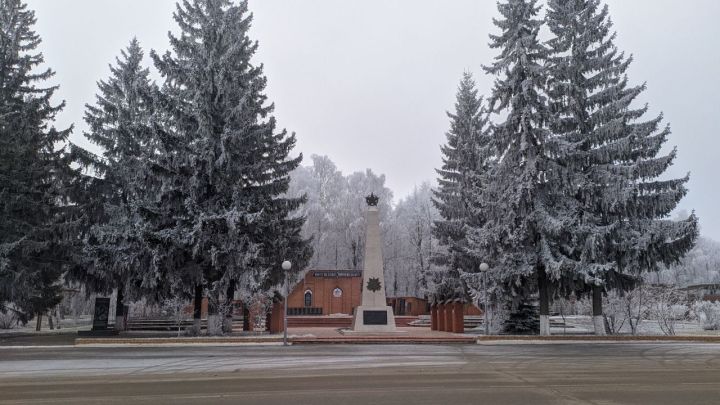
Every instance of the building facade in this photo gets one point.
(326, 292)
(338, 292)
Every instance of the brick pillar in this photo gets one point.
(450, 323)
(458, 317)
(439, 310)
(277, 317)
(434, 317)
(448, 317)
(442, 319)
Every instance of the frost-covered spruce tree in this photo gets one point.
(522, 235)
(34, 172)
(120, 123)
(222, 220)
(463, 164)
(620, 225)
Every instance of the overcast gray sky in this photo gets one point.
(368, 82)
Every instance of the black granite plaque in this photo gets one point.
(102, 312)
(375, 318)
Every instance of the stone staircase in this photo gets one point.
(470, 321)
(474, 321)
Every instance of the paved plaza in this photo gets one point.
(558, 373)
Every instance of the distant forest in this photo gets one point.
(700, 266)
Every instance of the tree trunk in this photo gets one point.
(197, 310)
(598, 320)
(214, 319)
(120, 310)
(58, 317)
(38, 325)
(228, 322)
(544, 302)
(246, 317)
(51, 325)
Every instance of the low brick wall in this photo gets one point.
(337, 321)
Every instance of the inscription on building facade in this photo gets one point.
(337, 273)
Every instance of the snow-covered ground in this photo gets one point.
(579, 324)
(582, 325)
(83, 322)
(575, 325)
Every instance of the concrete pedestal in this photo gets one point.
(364, 316)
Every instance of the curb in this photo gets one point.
(135, 342)
(601, 339)
(230, 341)
(385, 340)
(170, 342)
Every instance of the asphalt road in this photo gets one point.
(564, 373)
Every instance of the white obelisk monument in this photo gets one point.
(373, 314)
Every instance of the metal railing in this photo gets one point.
(304, 311)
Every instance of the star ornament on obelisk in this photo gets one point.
(373, 314)
(372, 200)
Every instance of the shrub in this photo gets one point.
(709, 314)
(8, 320)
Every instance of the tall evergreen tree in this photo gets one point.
(620, 226)
(221, 219)
(522, 235)
(464, 163)
(120, 123)
(34, 171)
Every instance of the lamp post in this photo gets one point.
(286, 265)
(484, 270)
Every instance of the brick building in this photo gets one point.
(331, 292)
(326, 292)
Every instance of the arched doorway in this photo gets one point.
(308, 299)
(336, 302)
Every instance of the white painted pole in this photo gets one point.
(286, 265)
(484, 269)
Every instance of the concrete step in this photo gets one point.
(386, 340)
